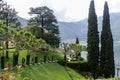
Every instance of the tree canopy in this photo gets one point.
(8, 16)
(44, 18)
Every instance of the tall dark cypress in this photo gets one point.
(93, 41)
(77, 40)
(107, 53)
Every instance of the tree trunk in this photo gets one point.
(42, 24)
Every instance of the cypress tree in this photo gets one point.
(93, 41)
(107, 53)
(77, 40)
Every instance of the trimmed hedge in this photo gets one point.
(79, 66)
(36, 59)
(2, 62)
(27, 59)
(15, 59)
(52, 58)
(61, 62)
(45, 58)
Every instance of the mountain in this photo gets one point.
(22, 20)
(70, 30)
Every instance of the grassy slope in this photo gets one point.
(74, 75)
(48, 71)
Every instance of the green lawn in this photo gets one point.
(48, 71)
(74, 75)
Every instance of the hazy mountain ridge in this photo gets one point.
(70, 30)
(22, 20)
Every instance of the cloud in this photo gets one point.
(64, 10)
(69, 10)
(23, 6)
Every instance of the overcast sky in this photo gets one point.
(64, 10)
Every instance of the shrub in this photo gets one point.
(17, 56)
(79, 66)
(52, 58)
(45, 58)
(2, 62)
(84, 67)
(27, 59)
(61, 62)
(36, 59)
(15, 59)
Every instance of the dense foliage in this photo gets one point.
(9, 17)
(107, 54)
(93, 41)
(45, 19)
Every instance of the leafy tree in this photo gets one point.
(3, 37)
(93, 41)
(2, 58)
(35, 30)
(52, 39)
(77, 48)
(45, 18)
(32, 45)
(16, 39)
(107, 53)
(8, 16)
(66, 49)
(27, 39)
